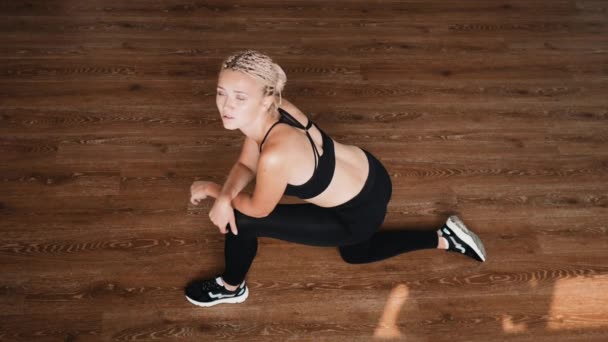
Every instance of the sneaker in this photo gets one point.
(210, 292)
(462, 240)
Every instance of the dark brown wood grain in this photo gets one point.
(496, 111)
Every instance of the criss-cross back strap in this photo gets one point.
(308, 126)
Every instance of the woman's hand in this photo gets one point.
(199, 190)
(222, 213)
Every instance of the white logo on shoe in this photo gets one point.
(457, 245)
(219, 295)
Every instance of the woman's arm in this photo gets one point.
(238, 178)
(241, 202)
(271, 180)
(240, 175)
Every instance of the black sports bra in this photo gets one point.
(323, 174)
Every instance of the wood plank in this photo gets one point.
(493, 111)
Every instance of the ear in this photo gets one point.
(268, 101)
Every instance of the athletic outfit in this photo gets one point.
(351, 226)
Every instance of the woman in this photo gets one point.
(346, 188)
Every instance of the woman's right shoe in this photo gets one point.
(209, 292)
(462, 240)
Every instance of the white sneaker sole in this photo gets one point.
(233, 300)
(467, 236)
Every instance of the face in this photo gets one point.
(239, 99)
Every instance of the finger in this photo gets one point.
(233, 225)
(222, 227)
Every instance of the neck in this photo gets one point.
(258, 128)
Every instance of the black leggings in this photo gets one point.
(352, 226)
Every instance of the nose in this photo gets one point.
(225, 104)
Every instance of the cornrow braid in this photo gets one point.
(261, 67)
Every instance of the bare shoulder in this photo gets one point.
(282, 141)
(275, 155)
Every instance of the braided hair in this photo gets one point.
(261, 67)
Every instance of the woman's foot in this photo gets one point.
(461, 240)
(209, 292)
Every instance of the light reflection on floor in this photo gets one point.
(580, 302)
(387, 326)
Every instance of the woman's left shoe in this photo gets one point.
(462, 240)
(211, 292)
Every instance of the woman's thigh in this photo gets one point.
(303, 223)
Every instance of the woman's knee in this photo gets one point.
(353, 254)
(246, 226)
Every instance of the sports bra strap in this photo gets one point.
(308, 126)
(265, 136)
(296, 123)
(314, 147)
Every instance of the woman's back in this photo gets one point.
(351, 165)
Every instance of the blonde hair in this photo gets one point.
(261, 67)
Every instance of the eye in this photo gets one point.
(241, 98)
(220, 94)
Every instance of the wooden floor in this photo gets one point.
(495, 110)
